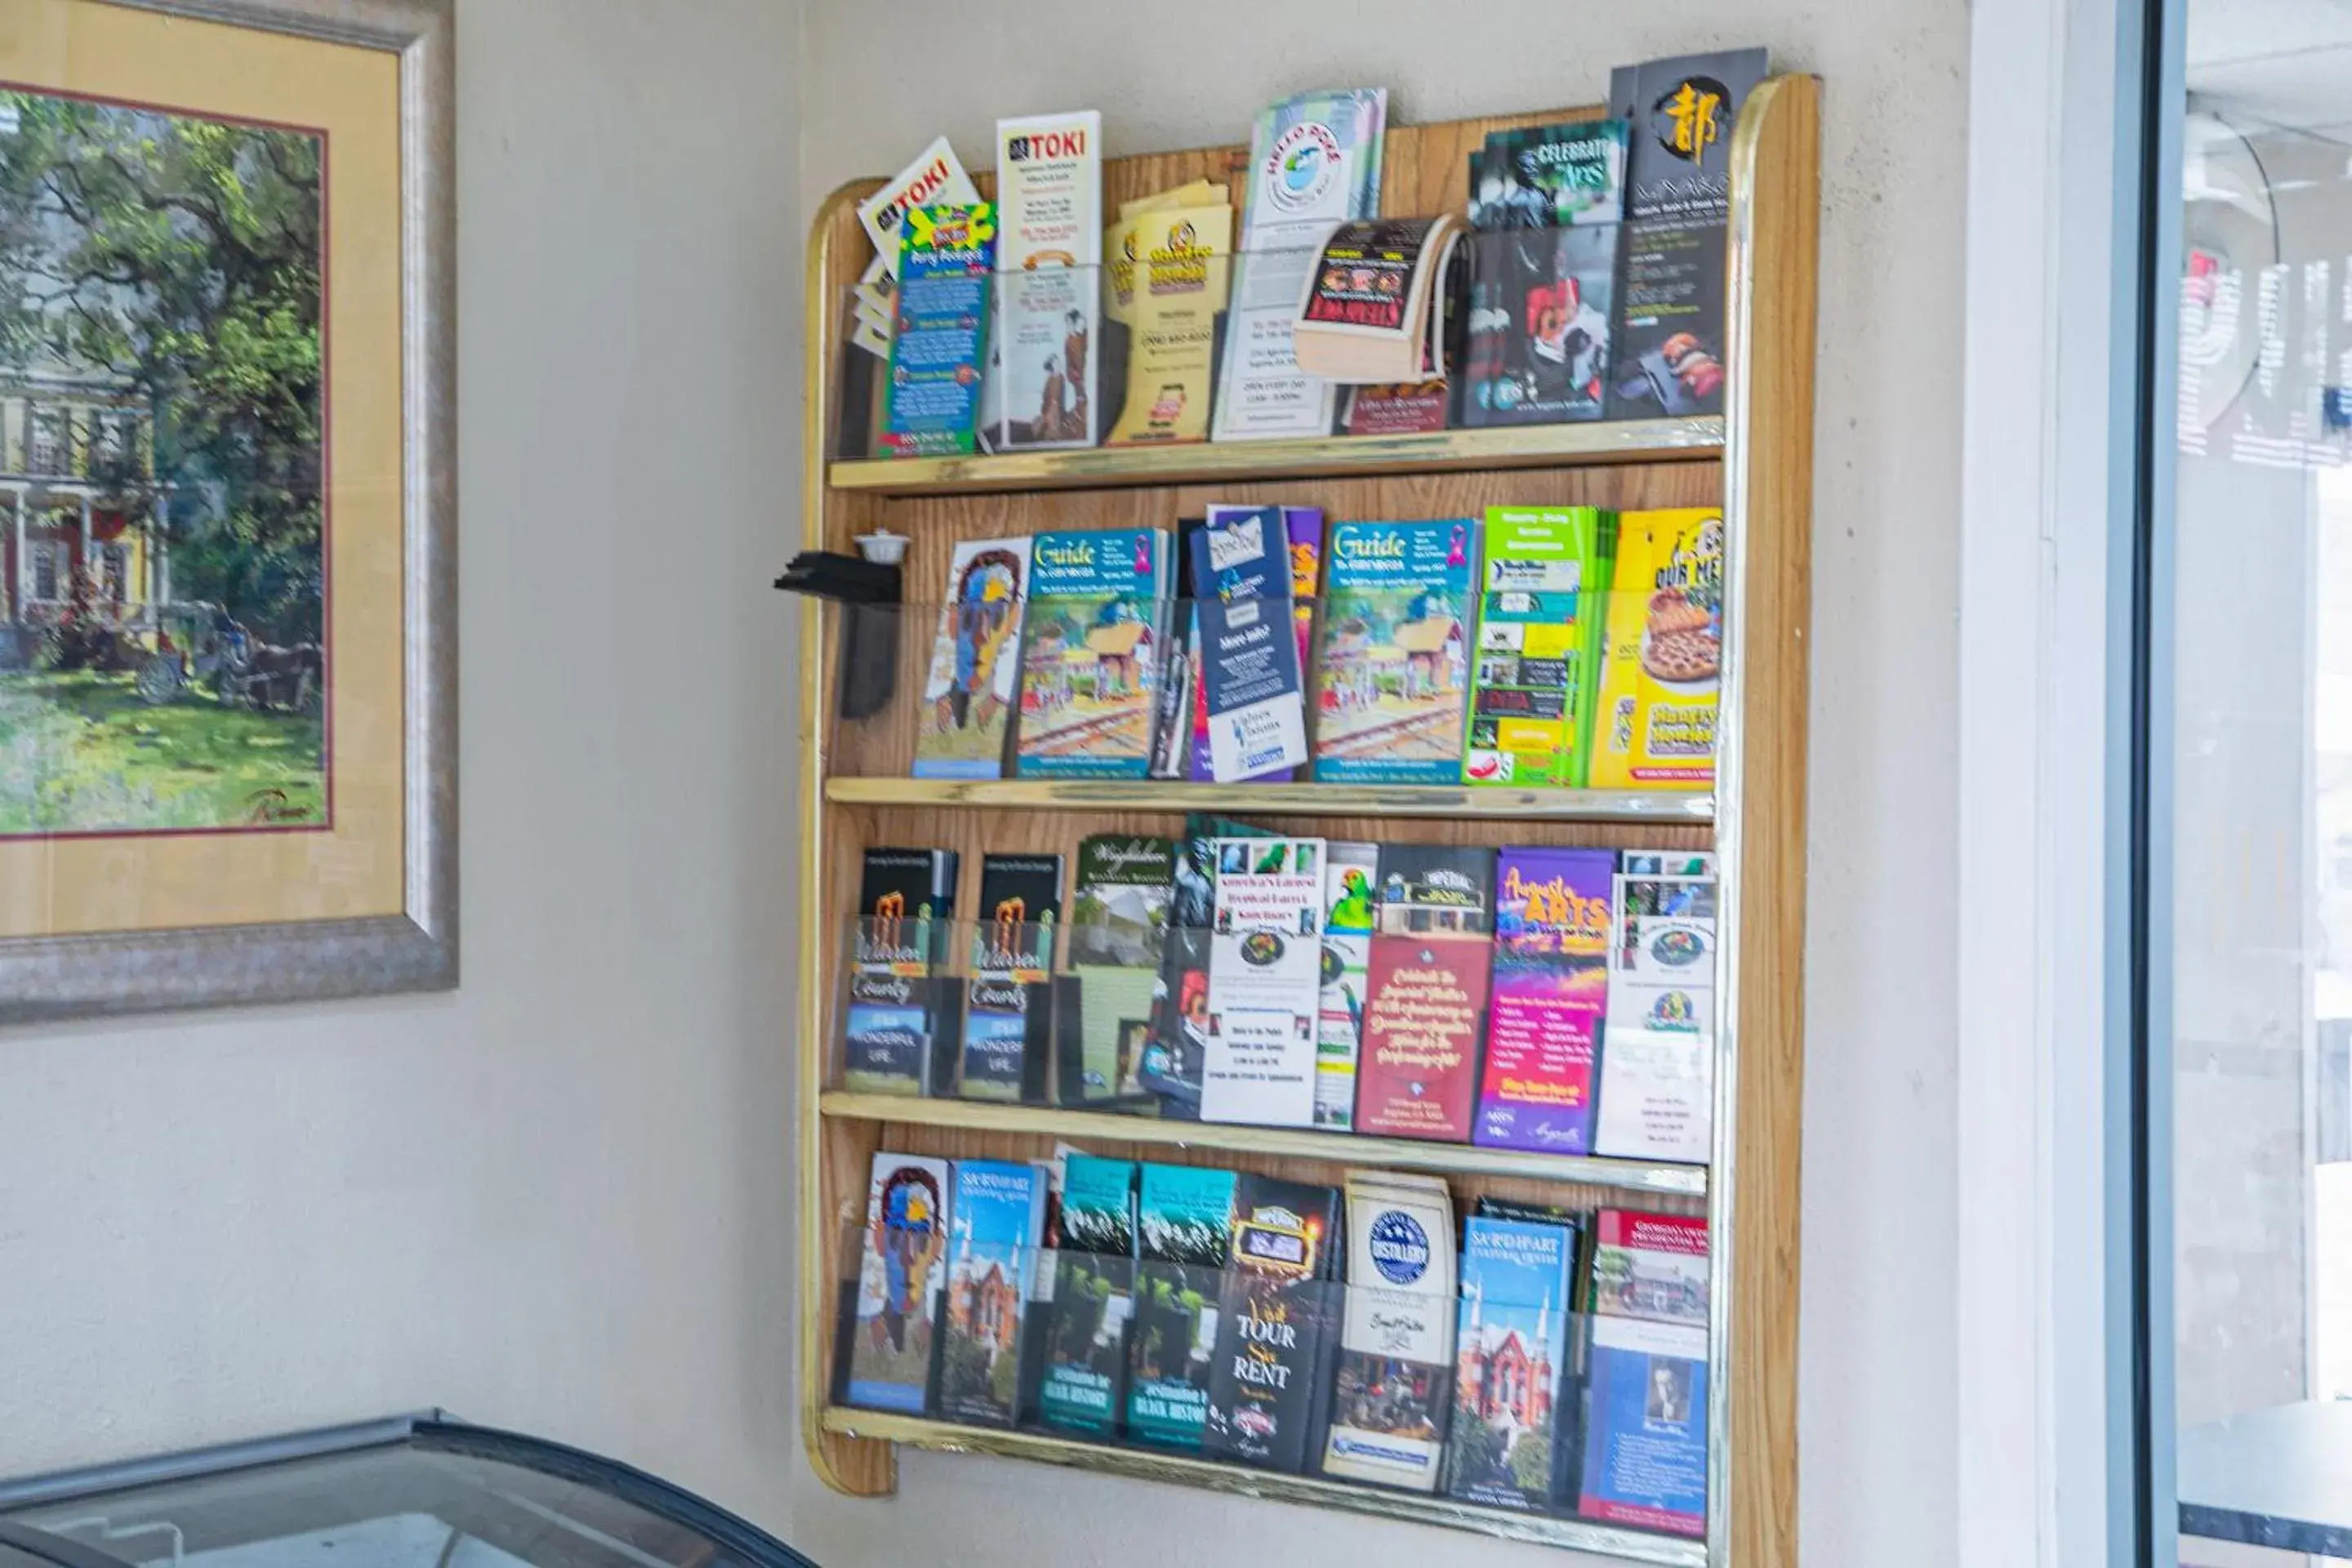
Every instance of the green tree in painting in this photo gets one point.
(185, 254)
(175, 263)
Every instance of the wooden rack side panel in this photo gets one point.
(1769, 493)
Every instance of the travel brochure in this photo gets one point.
(1582, 276)
(1520, 1357)
(1537, 647)
(1554, 1000)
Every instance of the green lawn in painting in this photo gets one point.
(81, 753)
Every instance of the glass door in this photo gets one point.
(2245, 913)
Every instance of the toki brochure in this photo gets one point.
(935, 178)
(1049, 255)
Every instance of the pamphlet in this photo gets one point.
(975, 674)
(1542, 623)
(1265, 961)
(1350, 875)
(1083, 1388)
(1650, 1265)
(1511, 1363)
(1314, 161)
(1118, 936)
(1662, 660)
(1094, 620)
(1680, 114)
(1418, 1073)
(1645, 1440)
(1169, 280)
(1184, 1218)
(1550, 993)
(906, 899)
(931, 406)
(904, 1243)
(1049, 206)
(998, 1214)
(1278, 1326)
(1395, 656)
(1008, 1000)
(1249, 651)
(1657, 1066)
(1389, 1405)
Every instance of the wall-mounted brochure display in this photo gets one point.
(1303, 811)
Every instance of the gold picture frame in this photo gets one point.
(227, 503)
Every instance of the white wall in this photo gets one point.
(1876, 1405)
(554, 1199)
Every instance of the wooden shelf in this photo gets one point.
(1452, 801)
(1366, 456)
(1340, 1148)
(1418, 1508)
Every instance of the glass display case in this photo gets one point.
(421, 1490)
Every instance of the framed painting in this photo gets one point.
(228, 595)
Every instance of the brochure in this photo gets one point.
(1250, 673)
(1093, 627)
(1549, 994)
(905, 1243)
(1314, 161)
(1277, 1324)
(1645, 1440)
(1049, 206)
(1008, 1000)
(931, 404)
(1266, 959)
(1184, 1216)
(1083, 1388)
(975, 674)
(1657, 1066)
(1428, 971)
(1395, 656)
(1662, 661)
(998, 1214)
(936, 178)
(905, 903)
(1174, 267)
(1118, 935)
(1542, 621)
(1389, 1405)
(1350, 875)
(1511, 1363)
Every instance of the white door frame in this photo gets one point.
(2047, 1312)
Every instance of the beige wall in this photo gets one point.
(1877, 1393)
(552, 1200)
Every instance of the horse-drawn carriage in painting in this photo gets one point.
(195, 641)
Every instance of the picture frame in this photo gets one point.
(157, 915)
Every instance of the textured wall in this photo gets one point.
(1877, 1397)
(552, 1199)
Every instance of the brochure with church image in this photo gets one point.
(999, 1214)
(1510, 1364)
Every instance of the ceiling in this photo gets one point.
(2286, 63)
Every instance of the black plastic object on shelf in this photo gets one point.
(868, 593)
